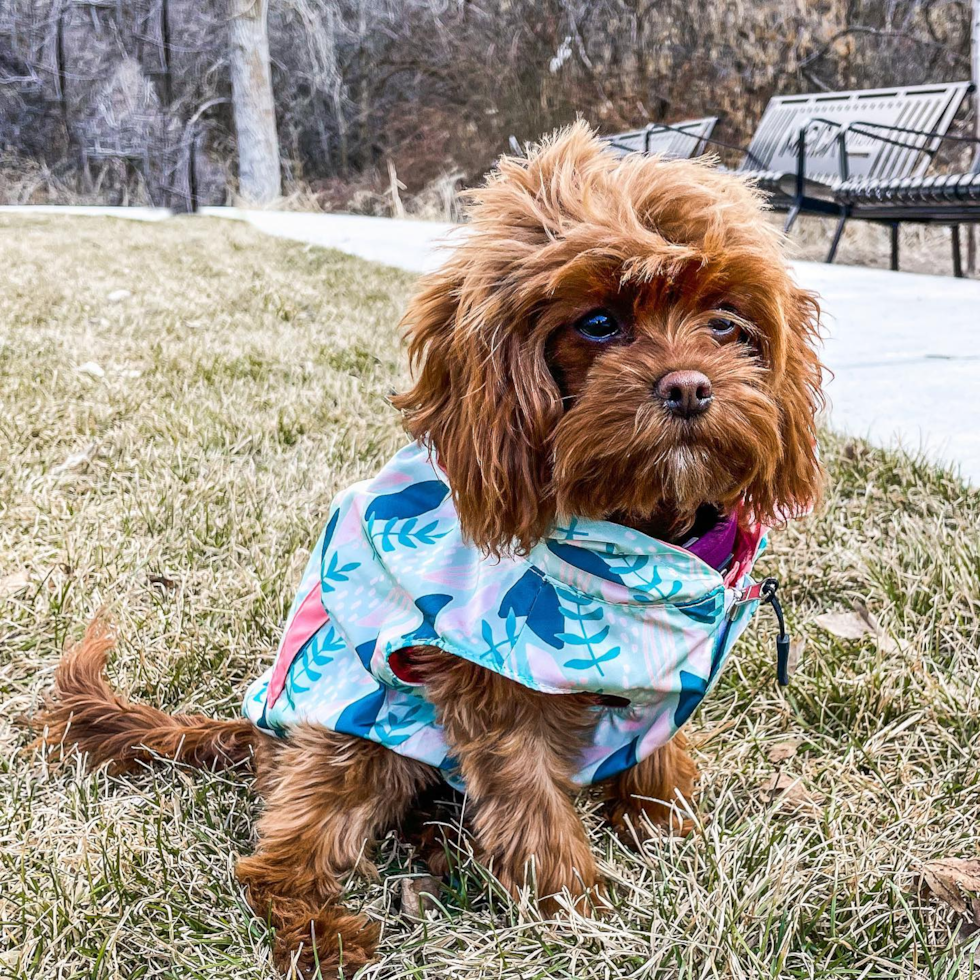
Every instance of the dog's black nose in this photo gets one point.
(685, 393)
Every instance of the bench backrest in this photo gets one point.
(682, 140)
(926, 107)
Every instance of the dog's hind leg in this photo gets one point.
(328, 797)
(652, 789)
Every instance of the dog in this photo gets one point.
(612, 371)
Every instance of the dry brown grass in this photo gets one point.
(245, 380)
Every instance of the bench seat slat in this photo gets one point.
(957, 187)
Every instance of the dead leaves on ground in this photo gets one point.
(782, 751)
(77, 462)
(782, 789)
(14, 584)
(26, 583)
(956, 882)
(419, 895)
(95, 371)
(787, 791)
(856, 625)
(91, 369)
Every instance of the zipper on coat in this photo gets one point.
(765, 592)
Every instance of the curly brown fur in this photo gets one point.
(83, 710)
(665, 243)
(326, 802)
(517, 750)
(328, 796)
(532, 421)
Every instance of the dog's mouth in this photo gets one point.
(633, 459)
(687, 433)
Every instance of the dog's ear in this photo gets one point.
(798, 476)
(484, 396)
(484, 400)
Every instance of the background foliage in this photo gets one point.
(102, 100)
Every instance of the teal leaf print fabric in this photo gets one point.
(595, 607)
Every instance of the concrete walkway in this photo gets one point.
(417, 246)
(91, 211)
(904, 349)
(905, 352)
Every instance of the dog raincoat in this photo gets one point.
(595, 607)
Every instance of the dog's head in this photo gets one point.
(615, 338)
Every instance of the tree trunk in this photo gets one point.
(251, 90)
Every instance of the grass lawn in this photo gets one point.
(169, 452)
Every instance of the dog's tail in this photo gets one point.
(83, 710)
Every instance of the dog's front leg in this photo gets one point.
(328, 797)
(652, 789)
(517, 750)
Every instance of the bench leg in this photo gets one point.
(837, 233)
(894, 257)
(957, 259)
(794, 213)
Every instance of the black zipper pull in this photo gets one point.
(768, 594)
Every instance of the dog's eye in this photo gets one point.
(722, 327)
(598, 325)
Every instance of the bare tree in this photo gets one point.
(255, 111)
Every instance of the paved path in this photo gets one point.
(905, 352)
(904, 348)
(411, 245)
(92, 211)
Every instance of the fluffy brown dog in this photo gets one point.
(615, 339)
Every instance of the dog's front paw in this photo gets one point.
(329, 939)
(638, 821)
(588, 900)
(564, 881)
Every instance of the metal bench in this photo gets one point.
(682, 140)
(949, 198)
(796, 153)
